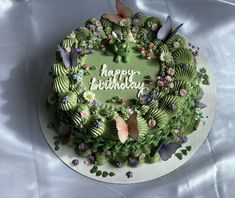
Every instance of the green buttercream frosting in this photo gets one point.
(61, 84)
(68, 101)
(123, 68)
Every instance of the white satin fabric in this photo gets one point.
(29, 33)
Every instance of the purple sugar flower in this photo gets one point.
(129, 174)
(50, 125)
(98, 123)
(75, 162)
(95, 103)
(80, 86)
(91, 27)
(88, 51)
(66, 99)
(186, 66)
(133, 161)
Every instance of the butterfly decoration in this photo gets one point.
(127, 129)
(69, 58)
(123, 12)
(197, 99)
(167, 150)
(166, 31)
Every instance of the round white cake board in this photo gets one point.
(145, 172)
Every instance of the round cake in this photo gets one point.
(126, 89)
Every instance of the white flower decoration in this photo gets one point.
(89, 96)
(176, 45)
(166, 57)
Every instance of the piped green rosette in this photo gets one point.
(166, 114)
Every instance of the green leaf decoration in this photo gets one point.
(188, 148)
(94, 169)
(92, 68)
(105, 174)
(111, 174)
(179, 156)
(184, 151)
(87, 73)
(98, 173)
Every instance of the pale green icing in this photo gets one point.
(146, 67)
(70, 104)
(183, 56)
(61, 84)
(58, 69)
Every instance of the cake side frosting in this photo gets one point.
(126, 89)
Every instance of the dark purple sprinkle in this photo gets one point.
(75, 162)
(80, 86)
(50, 125)
(189, 44)
(95, 103)
(89, 51)
(193, 46)
(172, 107)
(129, 174)
(184, 139)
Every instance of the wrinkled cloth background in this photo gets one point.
(29, 33)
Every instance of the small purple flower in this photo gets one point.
(91, 27)
(186, 66)
(80, 86)
(75, 162)
(95, 103)
(50, 125)
(98, 123)
(129, 174)
(172, 107)
(97, 33)
(79, 50)
(66, 99)
(133, 161)
(88, 51)
(82, 146)
(184, 139)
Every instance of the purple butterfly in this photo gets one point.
(166, 31)
(197, 99)
(167, 150)
(69, 59)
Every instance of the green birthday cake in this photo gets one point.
(126, 89)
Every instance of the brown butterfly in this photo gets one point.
(127, 129)
(123, 12)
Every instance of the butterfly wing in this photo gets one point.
(167, 150)
(112, 17)
(165, 30)
(122, 129)
(73, 56)
(65, 57)
(175, 30)
(133, 126)
(123, 10)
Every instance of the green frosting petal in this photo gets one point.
(101, 159)
(77, 120)
(152, 159)
(170, 99)
(176, 38)
(141, 17)
(69, 42)
(107, 25)
(185, 74)
(70, 103)
(154, 104)
(153, 20)
(82, 34)
(143, 127)
(183, 56)
(160, 116)
(61, 84)
(58, 69)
